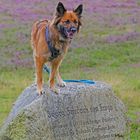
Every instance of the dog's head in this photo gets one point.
(68, 22)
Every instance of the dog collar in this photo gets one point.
(54, 52)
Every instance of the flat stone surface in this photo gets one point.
(79, 112)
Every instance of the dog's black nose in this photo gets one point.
(73, 29)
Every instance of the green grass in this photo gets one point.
(111, 63)
(12, 83)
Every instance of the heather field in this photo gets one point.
(106, 49)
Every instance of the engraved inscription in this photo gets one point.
(90, 127)
(71, 111)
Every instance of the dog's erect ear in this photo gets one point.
(79, 10)
(60, 9)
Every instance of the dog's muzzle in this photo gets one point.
(70, 32)
(67, 32)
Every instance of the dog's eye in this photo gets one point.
(75, 21)
(67, 21)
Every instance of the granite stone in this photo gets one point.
(79, 112)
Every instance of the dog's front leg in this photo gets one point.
(54, 68)
(60, 81)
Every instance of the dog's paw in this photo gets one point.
(41, 92)
(55, 90)
(62, 84)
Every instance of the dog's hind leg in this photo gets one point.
(39, 67)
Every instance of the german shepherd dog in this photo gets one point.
(60, 31)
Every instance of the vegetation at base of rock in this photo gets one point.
(16, 129)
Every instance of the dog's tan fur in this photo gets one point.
(41, 52)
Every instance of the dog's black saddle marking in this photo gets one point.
(54, 52)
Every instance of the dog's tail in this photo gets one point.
(33, 34)
(35, 28)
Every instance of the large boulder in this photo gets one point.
(79, 112)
